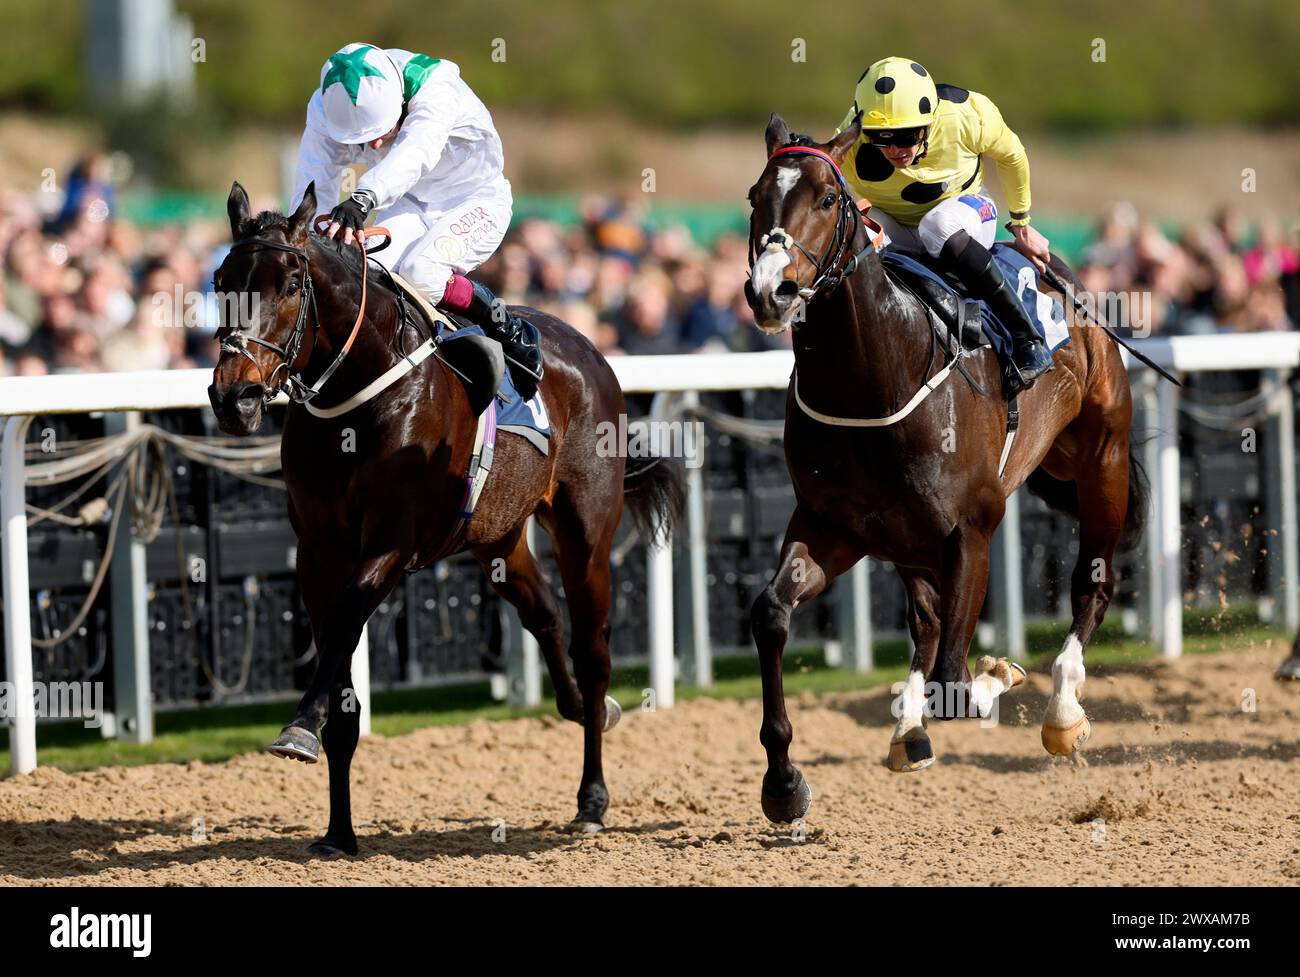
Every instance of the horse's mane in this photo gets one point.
(270, 220)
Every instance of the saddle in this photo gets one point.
(960, 317)
(406, 290)
(957, 311)
(478, 361)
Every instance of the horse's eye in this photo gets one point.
(292, 287)
(828, 201)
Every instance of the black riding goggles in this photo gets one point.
(903, 138)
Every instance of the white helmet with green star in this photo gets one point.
(361, 91)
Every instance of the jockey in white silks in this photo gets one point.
(434, 179)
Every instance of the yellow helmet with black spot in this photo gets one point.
(896, 93)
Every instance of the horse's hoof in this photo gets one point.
(913, 752)
(295, 743)
(1018, 673)
(578, 826)
(784, 810)
(1063, 741)
(1289, 670)
(613, 713)
(326, 848)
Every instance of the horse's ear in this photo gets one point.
(778, 133)
(840, 147)
(300, 221)
(237, 208)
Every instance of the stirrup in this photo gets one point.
(1017, 380)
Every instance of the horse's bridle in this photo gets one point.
(294, 385)
(238, 340)
(831, 268)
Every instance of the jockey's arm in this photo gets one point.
(1004, 146)
(998, 141)
(319, 159)
(416, 149)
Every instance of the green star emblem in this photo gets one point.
(348, 70)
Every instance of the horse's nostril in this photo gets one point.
(787, 291)
(248, 397)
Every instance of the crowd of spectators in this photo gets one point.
(83, 289)
(1212, 276)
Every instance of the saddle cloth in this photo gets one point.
(1045, 311)
(526, 418)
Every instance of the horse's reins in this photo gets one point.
(238, 341)
(480, 463)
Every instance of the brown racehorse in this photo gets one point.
(376, 491)
(923, 493)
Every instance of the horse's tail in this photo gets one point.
(655, 495)
(1064, 497)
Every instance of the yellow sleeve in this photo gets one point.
(998, 141)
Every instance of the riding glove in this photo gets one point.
(352, 212)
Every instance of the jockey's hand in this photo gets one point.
(1032, 245)
(350, 216)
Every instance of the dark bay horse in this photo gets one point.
(923, 492)
(376, 491)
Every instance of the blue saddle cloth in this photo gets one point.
(513, 413)
(1045, 311)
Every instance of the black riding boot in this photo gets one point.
(518, 337)
(977, 270)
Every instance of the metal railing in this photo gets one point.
(673, 651)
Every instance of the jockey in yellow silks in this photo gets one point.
(920, 161)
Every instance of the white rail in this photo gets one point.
(23, 397)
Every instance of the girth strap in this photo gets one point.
(480, 466)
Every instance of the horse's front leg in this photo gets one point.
(340, 735)
(812, 555)
(339, 601)
(909, 747)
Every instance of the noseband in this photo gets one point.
(294, 385)
(831, 268)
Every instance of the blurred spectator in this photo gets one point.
(646, 324)
(89, 192)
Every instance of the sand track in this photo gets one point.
(1180, 786)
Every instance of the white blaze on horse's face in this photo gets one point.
(769, 269)
(786, 178)
(768, 274)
